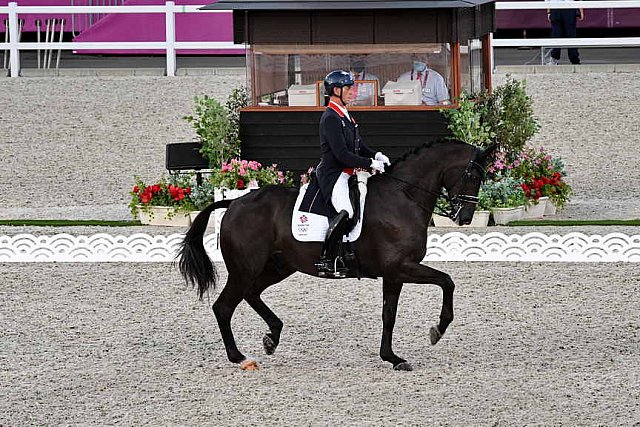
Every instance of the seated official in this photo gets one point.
(363, 92)
(434, 90)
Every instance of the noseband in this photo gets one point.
(457, 202)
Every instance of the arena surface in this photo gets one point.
(129, 344)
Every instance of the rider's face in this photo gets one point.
(348, 94)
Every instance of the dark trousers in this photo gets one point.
(563, 24)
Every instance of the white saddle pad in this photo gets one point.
(309, 227)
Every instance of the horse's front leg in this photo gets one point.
(391, 294)
(418, 273)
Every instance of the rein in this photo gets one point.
(456, 202)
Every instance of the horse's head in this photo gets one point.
(463, 185)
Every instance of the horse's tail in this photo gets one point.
(194, 264)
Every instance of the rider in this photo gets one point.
(341, 152)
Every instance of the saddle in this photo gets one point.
(313, 217)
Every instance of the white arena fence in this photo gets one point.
(169, 45)
(14, 46)
(453, 246)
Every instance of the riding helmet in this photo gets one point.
(337, 78)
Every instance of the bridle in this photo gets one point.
(457, 202)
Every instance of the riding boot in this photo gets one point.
(328, 266)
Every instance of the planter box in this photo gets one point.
(164, 216)
(536, 211)
(503, 216)
(211, 224)
(480, 219)
(550, 208)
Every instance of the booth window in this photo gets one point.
(385, 74)
(472, 67)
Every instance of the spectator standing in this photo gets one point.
(563, 25)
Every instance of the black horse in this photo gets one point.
(259, 250)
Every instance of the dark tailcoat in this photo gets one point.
(340, 148)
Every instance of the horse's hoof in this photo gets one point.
(403, 366)
(269, 344)
(434, 335)
(249, 365)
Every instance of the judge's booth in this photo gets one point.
(293, 45)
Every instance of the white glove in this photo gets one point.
(381, 157)
(377, 165)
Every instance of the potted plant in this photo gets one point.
(218, 126)
(543, 184)
(480, 216)
(202, 195)
(166, 202)
(237, 177)
(506, 199)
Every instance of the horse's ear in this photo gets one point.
(487, 154)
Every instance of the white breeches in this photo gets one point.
(340, 195)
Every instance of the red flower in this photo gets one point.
(145, 196)
(187, 190)
(176, 193)
(240, 184)
(135, 189)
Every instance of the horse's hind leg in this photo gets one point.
(223, 309)
(270, 276)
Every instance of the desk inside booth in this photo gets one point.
(380, 43)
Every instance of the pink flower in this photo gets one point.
(242, 172)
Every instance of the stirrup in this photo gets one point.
(326, 268)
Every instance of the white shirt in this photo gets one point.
(434, 90)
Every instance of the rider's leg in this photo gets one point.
(337, 227)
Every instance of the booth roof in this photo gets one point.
(341, 5)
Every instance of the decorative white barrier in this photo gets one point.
(456, 246)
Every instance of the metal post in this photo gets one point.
(52, 39)
(170, 26)
(14, 51)
(60, 49)
(491, 48)
(38, 30)
(5, 59)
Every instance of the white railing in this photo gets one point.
(565, 42)
(169, 44)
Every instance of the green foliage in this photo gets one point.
(202, 195)
(218, 126)
(505, 192)
(467, 124)
(504, 116)
(238, 99)
(516, 125)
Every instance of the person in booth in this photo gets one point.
(363, 96)
(434, 90)
(341, 152)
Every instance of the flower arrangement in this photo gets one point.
(505, 192)
(174, 192)
(240, 174)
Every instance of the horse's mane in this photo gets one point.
(416, 150)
